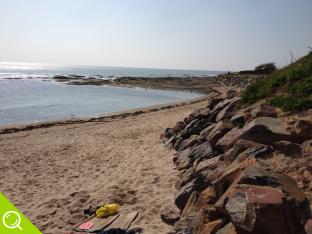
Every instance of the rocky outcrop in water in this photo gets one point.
(243, 169)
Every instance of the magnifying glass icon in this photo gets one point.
(12, 220)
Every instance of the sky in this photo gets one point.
(180, 34)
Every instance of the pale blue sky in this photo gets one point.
(185, 34)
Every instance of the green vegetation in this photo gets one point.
(289, 88)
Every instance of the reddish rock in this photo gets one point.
(198, 201)
(212, 227)
(257, 209)
(262, 110)
(263, 130)
(230, 175)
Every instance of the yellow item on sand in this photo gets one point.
(107, 210)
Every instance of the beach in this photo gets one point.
(53, 172)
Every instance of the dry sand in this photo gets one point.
(52, 174)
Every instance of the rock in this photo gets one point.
(226, 112)
(186, 176)
(258, 151)
(232, 94)
(262, 110)
(217, 108)
(212, 227)
(178, 126)
(189, 224)
(220, 129)
(186, 158)
(239, 147)
(213, 102)
(263, 130)
(198, 201)
(170, 215)
(208, 164)
(229, 176)
(307, 147)
(194, 211)
(288, 148)
(189, 142)
(205, 132)
(228, 229)
(200, 113)
(197, 184)
(258, 176)
(263, 209)
(253, 208)
(194, 127)
(238, 119)
(308, 227)
(304, 129)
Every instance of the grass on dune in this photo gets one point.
(289, 88)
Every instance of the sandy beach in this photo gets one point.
(52, 174)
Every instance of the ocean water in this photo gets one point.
(28, 94)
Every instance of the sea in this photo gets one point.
(29, 94)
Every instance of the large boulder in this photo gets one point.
(264, 209)
(259, 176)
(263, 130)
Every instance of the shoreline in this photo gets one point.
(7, 129)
